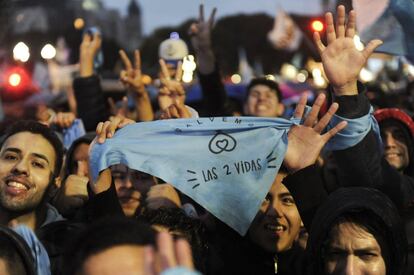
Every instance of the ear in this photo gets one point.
(280, 109)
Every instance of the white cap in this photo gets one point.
(173, 48)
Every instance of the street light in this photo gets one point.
(48, 52)
(21, 52)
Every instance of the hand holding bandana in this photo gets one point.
(225, 164)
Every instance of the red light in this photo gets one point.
(15, 79)
(317, 25)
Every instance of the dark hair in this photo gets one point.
(15, 252)
(188, 228)
(105, 234)
(266, 82)
(367, 208)
(37, 128)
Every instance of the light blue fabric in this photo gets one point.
(75, 131)
(227, 164)
(355, 131)
(395, 29)
(38, 250)
(179, 270)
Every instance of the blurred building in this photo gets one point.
(58, 17)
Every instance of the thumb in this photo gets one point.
(82, 168)
(372, 45)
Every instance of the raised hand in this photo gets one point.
(74, 193)
(64, 119)
(200, 31)
(306, 141)
(88, 49)
(172, 89)
(341, 60)
(131, 76)
(175, 110)
(107, 129)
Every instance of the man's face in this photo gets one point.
(395, 148)
(353, 250)
(263, 102)
(277, 224)
(122, 259)
(131, 185)
(27, 162)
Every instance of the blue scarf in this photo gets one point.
(226, 164)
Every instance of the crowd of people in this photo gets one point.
(72, 200)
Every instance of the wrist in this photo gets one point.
(86, 69)
(347, 89)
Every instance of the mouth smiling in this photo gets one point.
(17, 185)
(275, 227)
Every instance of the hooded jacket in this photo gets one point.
(359, 201)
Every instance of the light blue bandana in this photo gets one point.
(226, 164)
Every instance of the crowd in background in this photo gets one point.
(347, 210)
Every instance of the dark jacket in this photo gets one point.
(238, 255)
(377, 212)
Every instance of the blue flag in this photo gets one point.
(394, 27)
(226, 164)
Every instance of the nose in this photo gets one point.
(21, 167)
(389, 140)
(274, 209)
(351, 268)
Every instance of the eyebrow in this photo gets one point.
(18, 151)
(357, 250)
(285, 194)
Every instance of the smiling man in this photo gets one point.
(397, 132)
(263, 98)
(30, 161)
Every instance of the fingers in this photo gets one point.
(212, 17)
(330, 29)
(82, 168)
(300, 107)
(179, 71)
(201, 13)
(369, 49)
(165, 245)
(64, 120)
(326, 118)
(340, 21)
(318, 42)
(164, 70)
(182, 109)
(350, 28)
(137, 55)
(327, 136)
(97, 40)
(125, 122)
(313, 114)
(149, 260)
(125, 60)
(184, 255)
(103, 133)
